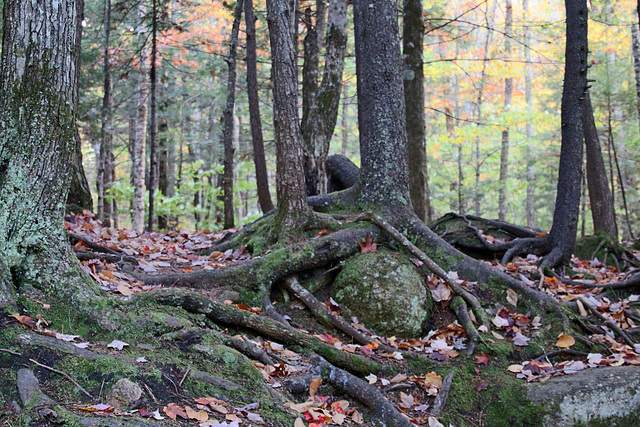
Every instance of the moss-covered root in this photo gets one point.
(254, 277)
(230, 315)
(460, 308)
(383, 411)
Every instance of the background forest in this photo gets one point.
(470, 49)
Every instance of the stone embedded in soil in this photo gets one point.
(385, 291)
(123, 393)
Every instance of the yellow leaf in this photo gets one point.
(200, 416)
(313, 387)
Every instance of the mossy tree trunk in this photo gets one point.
(37, 145)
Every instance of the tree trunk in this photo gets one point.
(227, 136)
(508, 92)
(104, 175)
(139, 148)
(153, 159)
(79, 196)
(321, 116)
(262, 178)
(412, 48)
(531, 169)
(383, 140)
(635, 43)
(565, 216)
(38, 98)
(293, 211)
(602, 209)
(163, 168)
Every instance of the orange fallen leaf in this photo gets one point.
(565, 341)
(172, 410)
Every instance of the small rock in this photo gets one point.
(123, 393)
(29, 389)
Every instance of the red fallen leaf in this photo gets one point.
(481, 385)
(243, 307)
(25, 320)
(329, 339)
(536, 367)
(66, 224)
(172, 410)
(368, 246)
(482, 359)
(145, 414)
(322, 233)
(145, 249)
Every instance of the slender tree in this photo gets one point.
(262, 178)
(531, 168)
(140, 135)
(293, 211)
(153, 78)
(508, 93)
(104, 175)
(412, 48)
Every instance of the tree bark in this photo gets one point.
(635, 43)
(508, 93)
(163, 168)
(139, 148)
(383, 140)
(262, 178)
(531, 169)
(153, 159)
(38, 98)
(79, 196)
(293, 211)
(322, 114)
(227, 135)
(412, 49)
(104, 175)
(565, 215)
(602, 208)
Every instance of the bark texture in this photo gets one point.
(38, 81)
(602, 209)
(140, 129)
(383, 141)
(322, 114)
(227, 134)
(412, 49)
(293, 211)
(262, 178)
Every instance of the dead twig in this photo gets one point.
(15, 353)
(149, 392)
(64, 375)
(608, 322)
(184, 377)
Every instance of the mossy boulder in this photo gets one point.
(385, 291)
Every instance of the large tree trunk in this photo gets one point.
(38, 81)
(322, 114)
(227, 135)
(383, 140)
(293, 211)
(412, 47)
(262, 178)
(565, 216)
(139, 148)
(602, 209)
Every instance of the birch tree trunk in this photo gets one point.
(140, 141)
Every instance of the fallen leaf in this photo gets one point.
(521, 340)
(298, 423)
(368, 246)
(371, 378)
(481, 385)
(516, 369)
(441, 293)
(313, 387)
(200, 416)
(172, 410)
(433, 422)
(406, 401)
(482, 359)
(254, 417)
(565, 341)
(118, 345)
(398, 379)
(512, 297)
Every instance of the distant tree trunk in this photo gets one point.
(565, 216)
(139, 148)
(79, 196)
(322, 115)
(153, 163)
(321, 22)
(635, 43)
(293, 211)
(383, 140)
(508, 93)
(531, 169)
(412, 48)
(163, 168)
(262, 177)
(602, 208)
(227, 177)
(345, 120)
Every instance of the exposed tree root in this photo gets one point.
(609, 322)
(91, 245)
(382, 410)
(230, 315)
(460, 308)
(258, 274)
(443, 395)
(113, 258)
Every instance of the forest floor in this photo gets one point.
(518, 347)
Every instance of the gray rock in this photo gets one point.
(29, 389)
(123, 393)
(589, 395)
